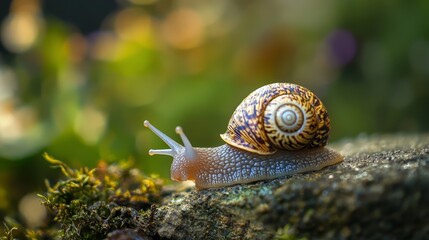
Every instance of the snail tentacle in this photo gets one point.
(189, 150)
(175, 148)
(167, 152)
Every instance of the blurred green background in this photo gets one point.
(78, 78)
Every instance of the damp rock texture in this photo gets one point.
(380, 191)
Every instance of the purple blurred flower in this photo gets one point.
(342, 47)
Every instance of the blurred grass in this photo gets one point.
(82, 96)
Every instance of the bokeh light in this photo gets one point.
(22, 26)
(32, 211)
(183, 29)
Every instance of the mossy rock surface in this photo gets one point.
(380, 191)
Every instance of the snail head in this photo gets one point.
(183, 156)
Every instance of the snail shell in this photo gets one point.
(278, 116)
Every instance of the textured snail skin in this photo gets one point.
(227, 165)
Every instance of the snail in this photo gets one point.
(279, 129)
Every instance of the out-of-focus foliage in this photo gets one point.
(82, 93)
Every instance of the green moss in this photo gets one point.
(286, 233)
(8, 233)
(88, 204)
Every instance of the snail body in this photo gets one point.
(279, 129)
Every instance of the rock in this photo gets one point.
(381, 190)
(127, 234)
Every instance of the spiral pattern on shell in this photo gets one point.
(278, 116)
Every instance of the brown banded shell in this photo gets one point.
(278, 116)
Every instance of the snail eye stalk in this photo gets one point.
(175, 148)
